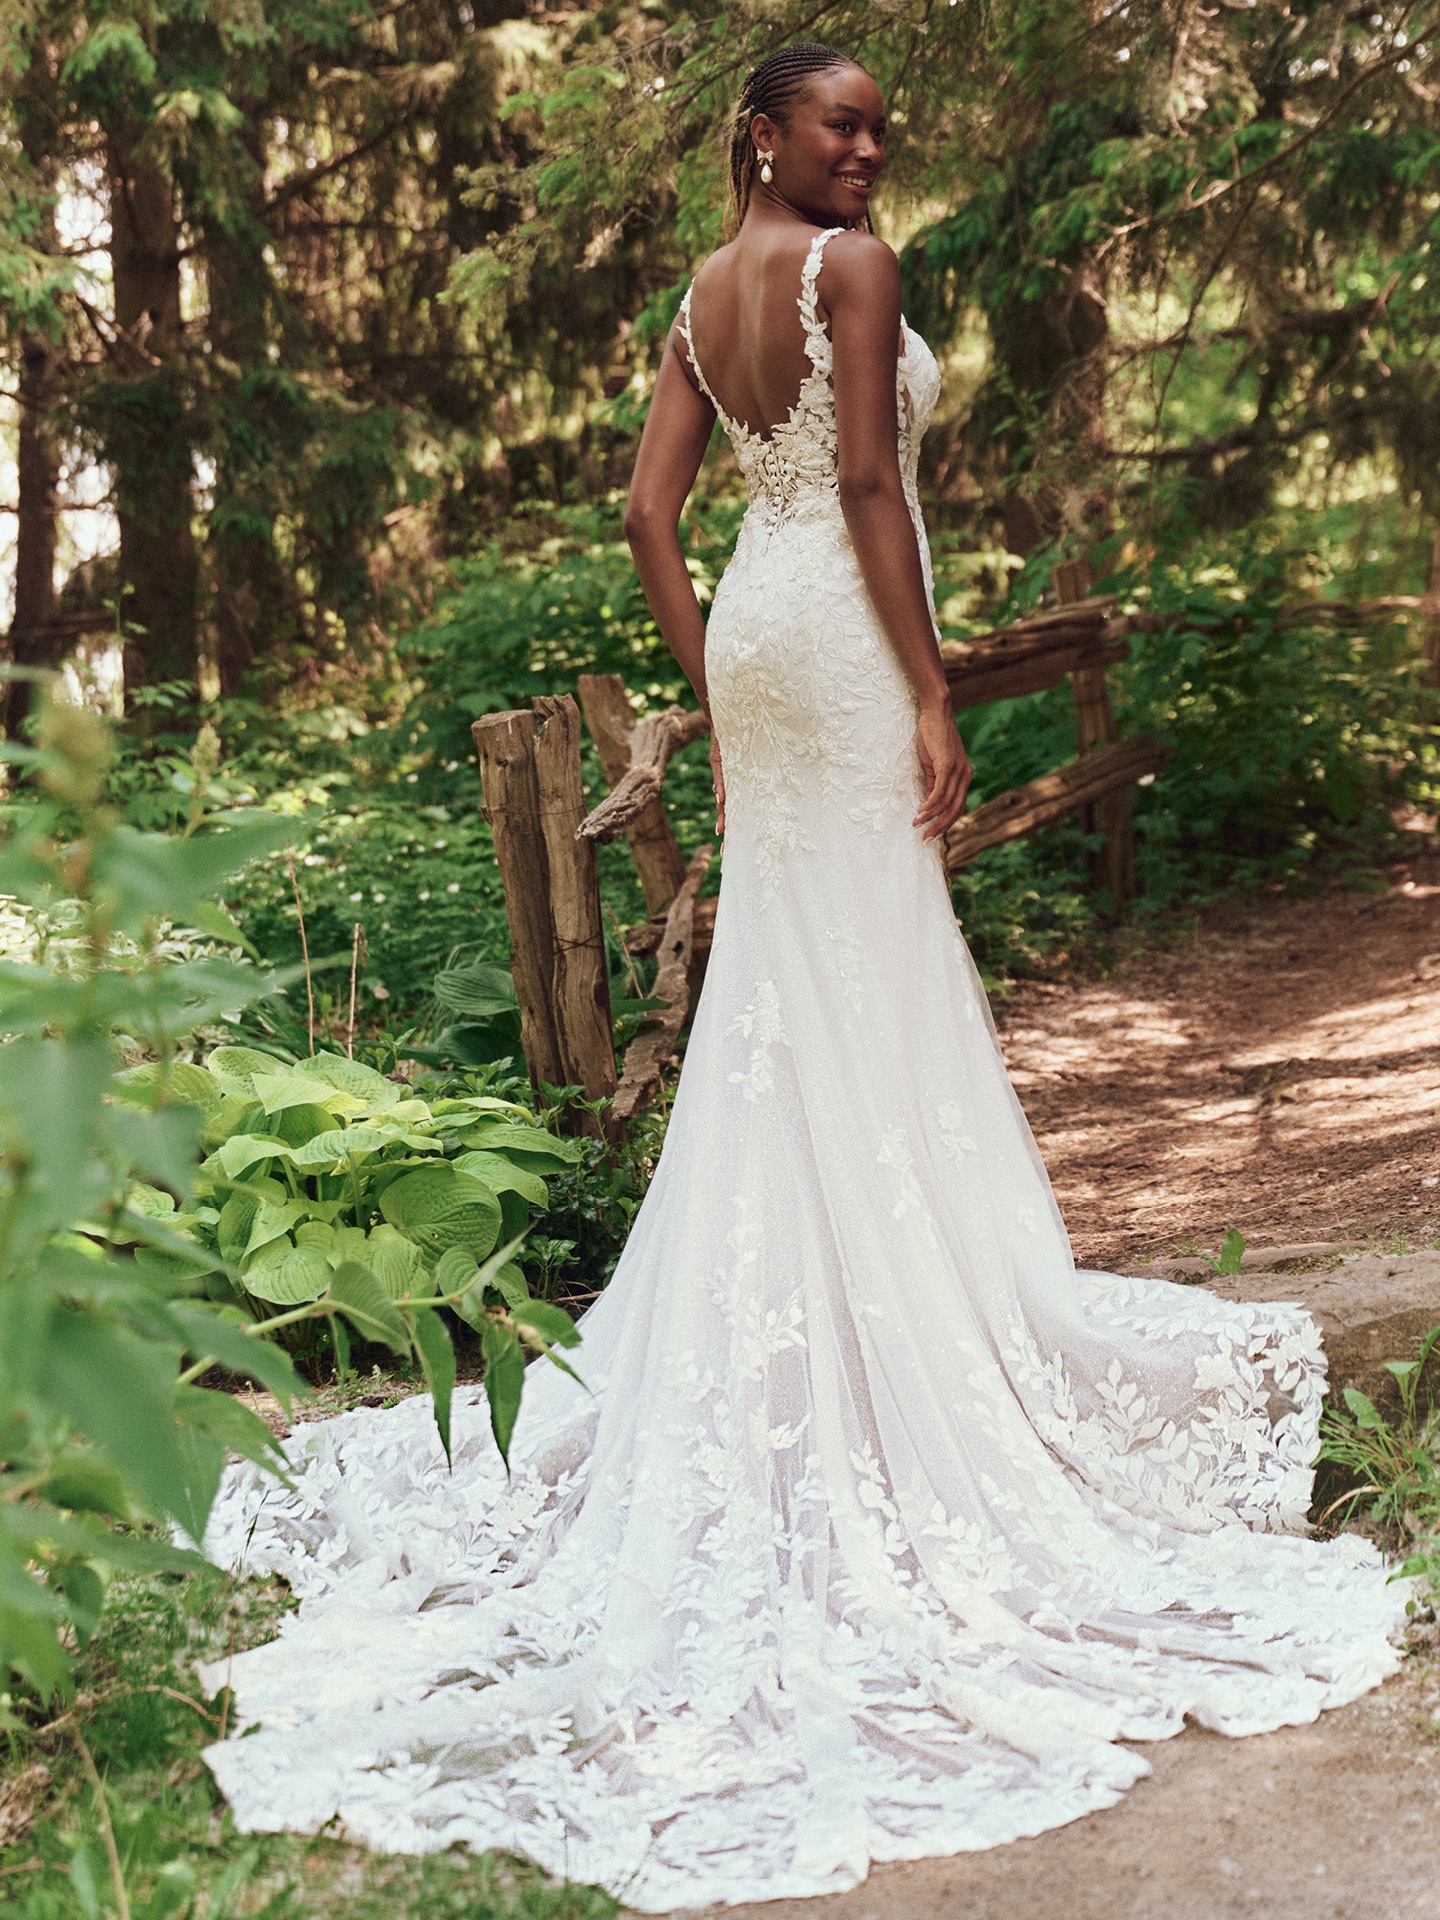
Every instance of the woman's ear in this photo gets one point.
(763, 133)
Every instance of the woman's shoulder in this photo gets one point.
(856, 261)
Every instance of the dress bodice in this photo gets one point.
(793, 470)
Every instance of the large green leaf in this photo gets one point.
(503, 1176)
(241, 1151)
(542, 1150)
(272, 1220)
(165, 1144)
(356, 1292)
(298, 1125)
(237, 1066)
(286, 1275)
(156, 1082)
(478, 991)
(231, 1422)
(277, 1091)
(352, 1077)
(396, 1262)
(439, 1208)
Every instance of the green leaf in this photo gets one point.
(154, 1084)
(338, 1144)
(277, 1091)
(504, 1176)
(504, 1381)
(84, 1593)
(231, 1422)
(543, 1151)
(272, 1221)
(165, 1144)
(242, 1151)
(236, 1067)
(298, 1125)
(456, 1269)
(85, 1481)
(368, 1307)
(352, 1077)
(287, 1276)
(208, 1332)
(1232, 1251)
(547, 1322)
(396, 1262)
(479, 991)
(437, 1357)
(510, 1283)
(116, 1389)
(439, 1208)
(1365, 1411)
(237, 1217)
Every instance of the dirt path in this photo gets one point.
(1331, 1822)
(1277, 1071)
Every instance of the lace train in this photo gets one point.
(880, 1526)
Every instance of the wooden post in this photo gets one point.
(580, 986)
(658, 860)
(506, 745)
(1095, 728)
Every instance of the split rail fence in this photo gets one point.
(546, 840)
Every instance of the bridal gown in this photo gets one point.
(879, 1525)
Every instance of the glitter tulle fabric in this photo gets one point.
(880, 1526)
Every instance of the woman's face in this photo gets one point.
(831, 151)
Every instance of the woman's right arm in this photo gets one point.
(860, 285)
(677, 432)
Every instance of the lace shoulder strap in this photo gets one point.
(682, 321)
(817, 341)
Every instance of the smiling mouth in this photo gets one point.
(857, 182)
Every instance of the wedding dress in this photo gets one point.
(879, 1525)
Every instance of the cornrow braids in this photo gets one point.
(772, 89)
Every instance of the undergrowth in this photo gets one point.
(1395, 1459)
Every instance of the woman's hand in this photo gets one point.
(946, 767)
(717, 774)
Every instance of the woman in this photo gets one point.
(883, 1526)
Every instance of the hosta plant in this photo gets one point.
(322, 1167)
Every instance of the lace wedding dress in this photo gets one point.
(880, 1525)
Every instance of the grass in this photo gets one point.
(124, 1801)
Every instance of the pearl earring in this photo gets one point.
(766, 157)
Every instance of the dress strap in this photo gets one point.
(817, 341)
(682, 321)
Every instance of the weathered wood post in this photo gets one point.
(505, 743)
(658, 859)
(1096, 727)
(530, 769)
(580, 983)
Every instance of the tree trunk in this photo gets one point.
(254, 598)
(148, 428)
(34, 637)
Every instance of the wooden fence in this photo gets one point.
(545, 840)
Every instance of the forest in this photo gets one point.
(328, 328)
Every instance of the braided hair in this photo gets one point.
(772, 89)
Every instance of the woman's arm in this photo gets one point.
(860, 287)
(677, 432)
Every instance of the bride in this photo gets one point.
(882, 1531)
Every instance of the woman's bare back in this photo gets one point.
(745, 324)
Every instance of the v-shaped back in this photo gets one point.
(795, 465)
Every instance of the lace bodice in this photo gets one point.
(794, 469)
